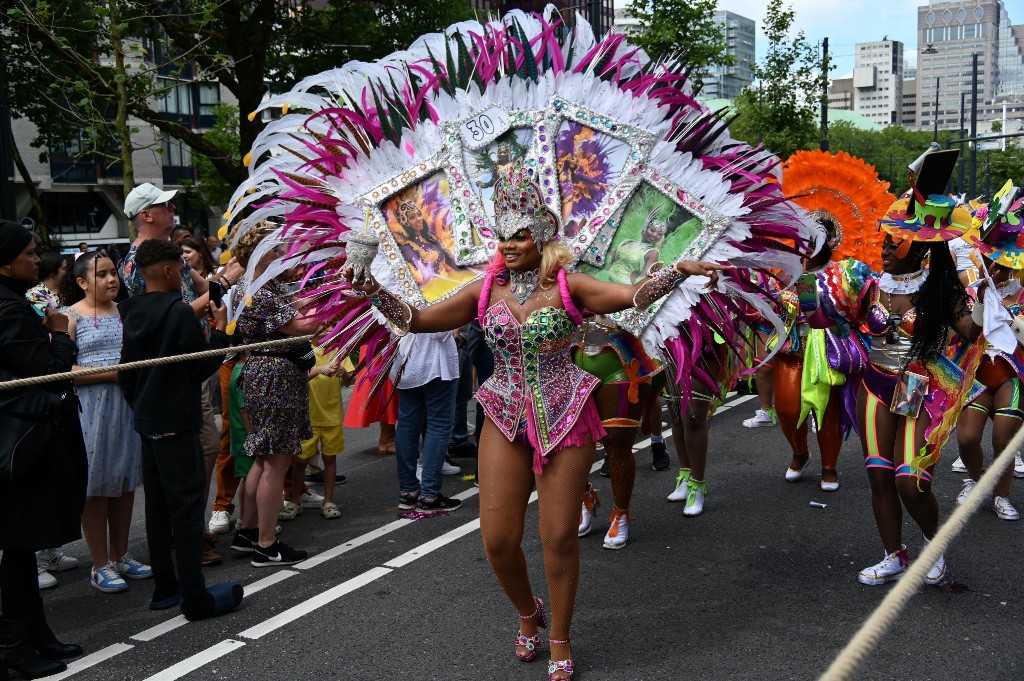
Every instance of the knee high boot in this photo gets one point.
(17, 654)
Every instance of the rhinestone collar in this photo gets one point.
(523, 283)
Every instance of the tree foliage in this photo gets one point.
(892, 149)
(681, 29)
(780, 107)
(66, 59)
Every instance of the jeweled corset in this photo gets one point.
(534, 380)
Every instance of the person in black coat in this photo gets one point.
(46, 512)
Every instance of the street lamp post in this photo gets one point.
(974, 121)
(935, 113)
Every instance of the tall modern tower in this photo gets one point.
(878, 81)
(726, 82)
(949, 32)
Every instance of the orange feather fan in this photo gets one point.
(847, 190)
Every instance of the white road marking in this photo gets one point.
(92, 660)
(190, 664)
(179, 621)
(318, 601)
(352, 543)
(433, 544)
(730, 405)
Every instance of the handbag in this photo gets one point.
(28, 418)
(846, 354)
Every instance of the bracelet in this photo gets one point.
(397, 313)
(659, 285)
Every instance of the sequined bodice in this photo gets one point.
(533, 367)
(888, 349)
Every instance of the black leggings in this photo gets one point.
(19, 585)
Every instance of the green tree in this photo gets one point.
(779, 109)
(681, 29)
(213, 189)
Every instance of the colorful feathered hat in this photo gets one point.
(925, 212)
(999, 228)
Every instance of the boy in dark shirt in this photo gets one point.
(167, 403)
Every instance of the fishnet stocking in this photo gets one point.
(506, 481)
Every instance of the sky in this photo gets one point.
(844, 22)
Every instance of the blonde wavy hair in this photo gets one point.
(554, 257)
(248, 242)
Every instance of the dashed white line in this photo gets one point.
(318, 601)
(324, 556)
(190, 664)
(92, 660)
(433, 545)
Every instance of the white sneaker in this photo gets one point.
(1018, 466)
(310, 499)
(450, 468)
(760, 419)
(958, 466)
(220, 522)
(618, 533)
(695, 498)
(46, 580)
(55, 560)
(890, 569)
(937, 574)
(590, 502)
(1004, 509)
(681, 490)
(968, 486)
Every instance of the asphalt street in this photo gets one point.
(761, 586)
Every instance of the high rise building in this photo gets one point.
(949, 33)
(875, 89)
(726, 82)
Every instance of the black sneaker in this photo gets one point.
(407, 502)
(659, 456)
(439, 504)
(463, 450)
(276, 555)
(604, 468)
(245, 541)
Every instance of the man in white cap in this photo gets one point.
(151, 211)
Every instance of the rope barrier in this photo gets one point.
(864, 641)
(157, 361)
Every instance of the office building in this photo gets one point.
(726, 82)
(949, 33)
(875, 88)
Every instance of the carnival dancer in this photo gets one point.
(1000, 372)
(911, 393)
(818, 370)
(541, 420)
(618, 359)
(611, 136)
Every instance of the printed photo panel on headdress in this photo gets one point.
(418, 222)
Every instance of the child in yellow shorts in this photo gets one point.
(326, 414)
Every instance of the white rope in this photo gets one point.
(156, 361)
(867, 637)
